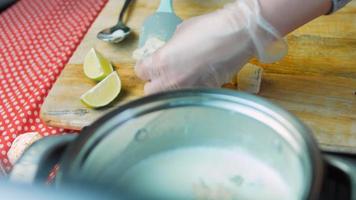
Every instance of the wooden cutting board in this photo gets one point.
(316, 80)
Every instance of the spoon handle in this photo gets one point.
(124, 8)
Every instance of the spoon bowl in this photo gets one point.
(115, 34)
(120, 31)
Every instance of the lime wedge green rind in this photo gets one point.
(103, 93)
(96, 67)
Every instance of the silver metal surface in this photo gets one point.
(2, 171)
(35, 192)
(37, 161)
(120, 31)
(348, 166)
(215, 117)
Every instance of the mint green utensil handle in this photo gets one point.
(166, 6)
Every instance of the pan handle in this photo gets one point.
(346, 165)
(39, 159)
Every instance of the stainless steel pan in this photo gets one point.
(107, 150)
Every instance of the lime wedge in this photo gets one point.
(104, 92)
(96, 67)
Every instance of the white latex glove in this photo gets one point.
(206, 51)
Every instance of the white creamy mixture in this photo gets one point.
(205, 173)
(118, 34)
(151, 45)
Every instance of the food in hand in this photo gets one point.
(249, 79)
(151, 45)
(96, 67)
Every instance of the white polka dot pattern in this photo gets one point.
(37, 37)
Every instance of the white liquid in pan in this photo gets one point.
(206, 173)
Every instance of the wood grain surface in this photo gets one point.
(316, 80)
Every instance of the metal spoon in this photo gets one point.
(118, 32)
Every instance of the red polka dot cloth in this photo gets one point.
(37, 37)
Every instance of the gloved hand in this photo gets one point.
(206, 51)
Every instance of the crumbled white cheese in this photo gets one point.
(118, 34)
(151, 45)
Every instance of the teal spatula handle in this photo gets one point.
(166, 6)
